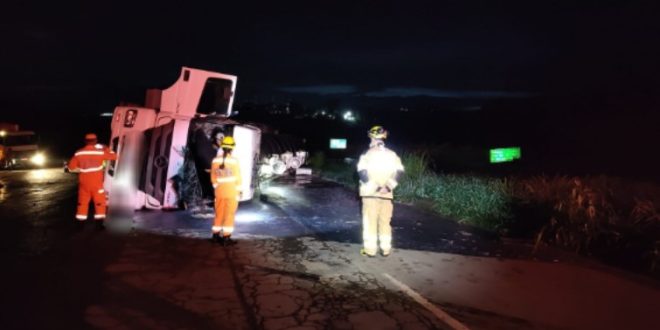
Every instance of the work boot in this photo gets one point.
(100, 225)
(364, 253)
(216, 238)
(385, 253)
(227, 241)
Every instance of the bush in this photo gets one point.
(605, 217)
(340, 171)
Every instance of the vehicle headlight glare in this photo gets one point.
(38, 159)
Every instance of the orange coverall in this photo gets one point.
(88, 161)
(227, 184)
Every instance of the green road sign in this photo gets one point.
(337, 143)
(502, 155)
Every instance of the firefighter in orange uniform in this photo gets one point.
(89, 163)
(226, 180)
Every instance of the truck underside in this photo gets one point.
(164, 149)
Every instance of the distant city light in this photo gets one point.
(349, 116)
(106, 114)
(502, 155)
(3, 133)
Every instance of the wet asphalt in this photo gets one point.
(55, 273)
(37, 207)
(308, 206)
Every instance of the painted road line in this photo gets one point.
(439, 313)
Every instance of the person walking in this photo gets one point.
(226, 180)
(89, 163)
(379, 170)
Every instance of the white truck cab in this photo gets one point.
(152, 142)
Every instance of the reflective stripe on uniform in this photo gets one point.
(91, 169)
(226, 230)
(97, 153)
(101, 191)
(81, 217)
(386, 242)
(227, 161)
(370, 240)
(99, 216)
(227, 179)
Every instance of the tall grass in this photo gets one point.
(484, 202)
(610, 218)
(336, 170)
(605, 217)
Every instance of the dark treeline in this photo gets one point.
(580, 137)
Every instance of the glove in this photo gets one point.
(384, 190)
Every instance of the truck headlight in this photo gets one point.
(38, 159)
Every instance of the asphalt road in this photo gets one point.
(305, 230)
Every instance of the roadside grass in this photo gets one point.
(612, 219)
(342, 172)
(480, 201)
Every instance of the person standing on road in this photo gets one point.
(379, 170)
(218, 135)
(89, 162)
(205, 148)
(226, 180)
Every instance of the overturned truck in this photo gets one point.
(165, 148)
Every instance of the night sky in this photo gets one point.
(65, 60)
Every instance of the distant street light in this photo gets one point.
(348, 116)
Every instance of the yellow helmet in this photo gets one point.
(378, 132)
(228, 143)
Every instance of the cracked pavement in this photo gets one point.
(296, 266)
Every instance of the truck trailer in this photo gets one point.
(164, 149)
